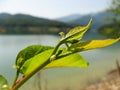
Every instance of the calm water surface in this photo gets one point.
(101, 61)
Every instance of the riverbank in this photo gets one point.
(110, 82)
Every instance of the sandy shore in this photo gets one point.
(110, 82)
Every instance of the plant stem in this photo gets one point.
(16, 77)
(26, 77)
(56, 48)
(21, 81)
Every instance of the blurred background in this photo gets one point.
(29, 22)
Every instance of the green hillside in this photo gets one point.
(26, 24)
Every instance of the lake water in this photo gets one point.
(101, 61)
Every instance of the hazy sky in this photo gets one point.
(53, 8)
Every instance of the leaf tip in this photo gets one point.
(62, 34)
(90, 22)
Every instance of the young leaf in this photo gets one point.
(74, 60)
(35, 61)
(3, 83)
(28, 53)
(77, 32)
(93, 44)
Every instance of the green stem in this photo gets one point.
(67, 46)
(16, 77)
(57, 46)
(20, 82)
(26, 77)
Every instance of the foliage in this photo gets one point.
(113, 29)
(30, 25)
(3, 83)
(37, 57)
(115, 7)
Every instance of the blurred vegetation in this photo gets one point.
(26, 24)
(113, 28)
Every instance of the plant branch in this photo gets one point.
(57, 46)
(21, 81)
(16, 77)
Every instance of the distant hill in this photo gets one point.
(76, 19)
(98, 21)
(5, 15)
(69, 18)
(27, 24)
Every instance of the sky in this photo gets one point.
(53, 8)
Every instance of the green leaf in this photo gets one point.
(93, 44)
(3, 83)
(35, 61)
(28, 53)
(77, 32)
(74, 60)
